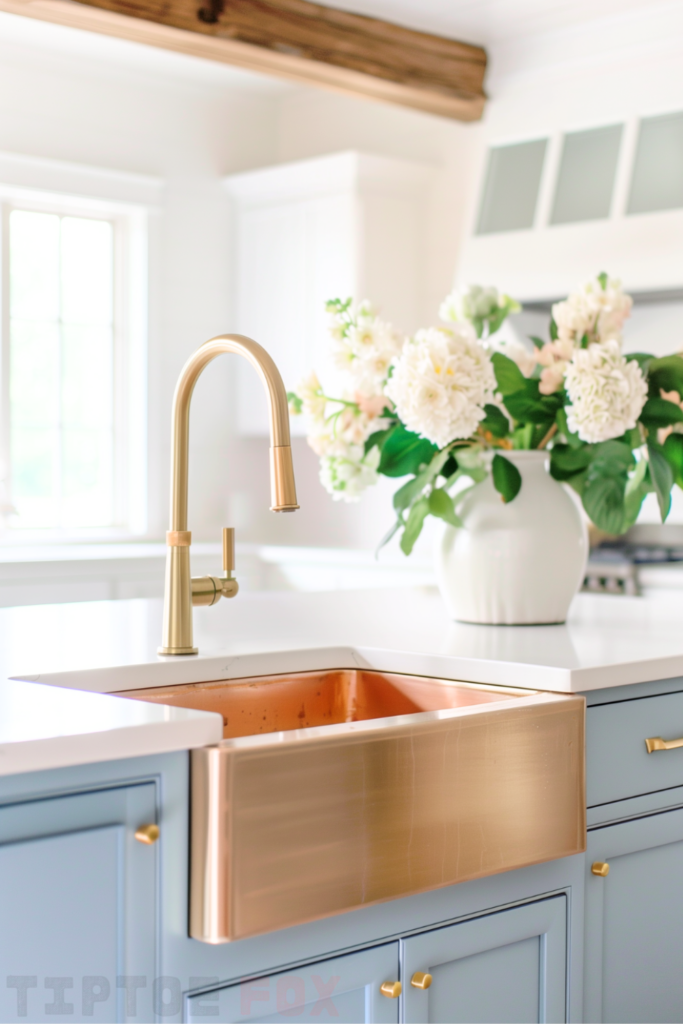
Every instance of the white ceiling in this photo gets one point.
(491, 22)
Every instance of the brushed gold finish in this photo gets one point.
(600, 868)
(228, 551)
(178, 594)
(282, 489)
(147, 834)
(654, 743)
(391, 989)
(208, 590)
(178, 538)
(420, 980)
(340, 789)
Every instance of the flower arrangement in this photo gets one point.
(443, 407)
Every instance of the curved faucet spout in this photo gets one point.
(177, 636)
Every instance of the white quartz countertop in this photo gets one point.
(107, 646)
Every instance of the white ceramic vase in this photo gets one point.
(519, 563)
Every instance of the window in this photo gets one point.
(657, 182)
(513, 180)
(587, 173)
(71, 435)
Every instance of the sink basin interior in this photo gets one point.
(281, 703)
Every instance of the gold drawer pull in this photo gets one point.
(657, 743)
(147, 834)
(600, 868)
(420, 980)
(391, 989)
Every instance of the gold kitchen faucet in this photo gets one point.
(181, 590)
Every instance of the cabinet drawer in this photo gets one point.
(618, 765)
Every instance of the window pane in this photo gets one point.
(87, 476)
(513, 178)
(658, 170)
(86, 271)
(61, 370)
(87, 371)
(34, 262)
(587, 172)
(34, 420)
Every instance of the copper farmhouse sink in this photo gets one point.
(336, 790)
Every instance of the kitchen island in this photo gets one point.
(94, 909)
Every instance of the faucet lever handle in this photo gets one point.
(228, 550)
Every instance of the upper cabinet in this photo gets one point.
(349, 224)
(552, 211)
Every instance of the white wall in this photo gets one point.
(69, 96)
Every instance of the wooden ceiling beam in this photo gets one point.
(297, 40)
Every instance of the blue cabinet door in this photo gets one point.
(506, 966)
(633, 968)
(344, 989)
(78, 908)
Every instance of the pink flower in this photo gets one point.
(552, 378)
(372, 407)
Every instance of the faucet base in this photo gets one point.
(177, 650)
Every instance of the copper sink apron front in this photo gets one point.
(336, 790)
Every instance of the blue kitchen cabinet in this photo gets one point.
(506, 966)
(78, 905)
(344, 988)
(633, 968)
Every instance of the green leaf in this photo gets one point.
(506, 478)
(603, 278)
(553, 330)
(665, 374)
(573, 440)
(522, 437)
(404, 452)
(478, 324)
(450, 466)
(538, 342)
(441, 505)
(633, 439)
(407, 494)
(657, 412)
(610, 458)
(673, 453)
(578, 482)
(414, 523)
(566, 462)
(496, 319)
(662, 479)
(529, 405)
(378, 439)
(496, 421)
(509, 377)
(603, 500)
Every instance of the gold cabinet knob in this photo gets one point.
(391, 989)
(147, 834)
(421, 980)
(600, 868)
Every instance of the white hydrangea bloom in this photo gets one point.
(607, 392)
(441, 382)
(346, 476)
(594, 311)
